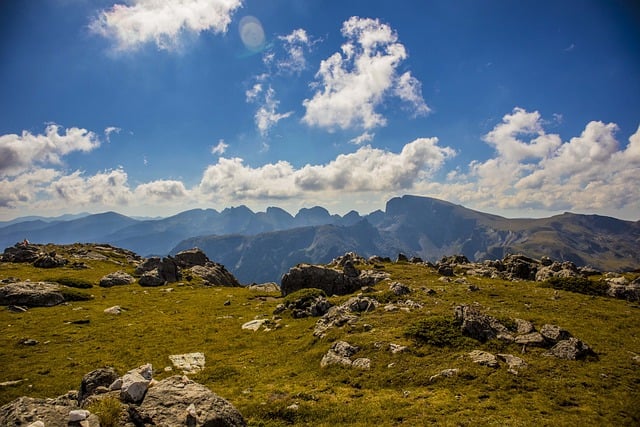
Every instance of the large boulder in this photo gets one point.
(148, 264)
(191, 257)
(50, 260)
(178, 401)
(151, 278)
(214, 274)
(31, 294)
(331, 281)
(571, 349)
(520, 267)
(135, 383)
(21, 252)
(168, 270)
(26, 411)
(117, 278)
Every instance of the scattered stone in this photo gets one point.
(50, 260)
(265, 287)
(362, 363)
(117, 278)
(171, 401)
(513, 362)
(523, 326)
(477, 325)
(135, 384)
(189, 363)
(534, 339)
(553, 333)
(571, 349)
(10, 383)
(340, 354)
(151, 279)
(45, 412)
(29, 342)
(31, 294)
(116, 309)
(484, 358)
(227, 303)
(254, 325)
(102, 377)
(446, 373)
(399, 289)
(627, 291)
(396, 348)
(76, 415)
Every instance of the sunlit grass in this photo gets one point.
(274, 378)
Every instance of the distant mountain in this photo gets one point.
(429, 228)
(262, 246)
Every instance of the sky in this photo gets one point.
(151, 107)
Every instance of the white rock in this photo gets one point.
(397, 348)
(190, 363)
(78, 415)
(116, 385)
(116, 309)
(134, 387)
(36, 424)
(254, 325)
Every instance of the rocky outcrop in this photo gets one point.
(117, 278)
(477, 325)
(571, 349)
(21, 253)
(214, 274)
(342, 314)
(50, 260)
(174, 401)
(191, 257)
(340, 353)
(178, 401)
(331, 280)
(31, 294)
(188, 363)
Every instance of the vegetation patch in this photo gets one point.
(72, 294)
(71, 282)
(108, 411)
(581, 285)
(303, 296)
(438, 331)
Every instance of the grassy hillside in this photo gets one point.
(264, 373)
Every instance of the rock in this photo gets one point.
(513, 362)
(31, 294)
(402, 258)
(351, 257)
(552, 333)
(135, 384)
(362, 363)
(331, 281)
(21, 253)
(254, 325)
(396, 348)
(26, 410)
(371, 277)
(350, 270)
(191, 257)
(265, 287)
(309, 307)
(117, 278)
(399, 289)
(571, 349)
(533, 338)
(151, 279)
(416, 260)
(523, 326)
(445, 373)
(360, 304)
(102, 377)
(445, 270)
(169, 403)
(519, 267)
(189, 363)
(339, 354)
(168, 270)
(627, 291)
(16, 308)
(340, 315)
(479, 326)
(116, 309)
(76, 415)
(214, 274)
(36, 424)
(147, 265)
(484, 358)
(332, 358)
(50, 260)
(29, 342)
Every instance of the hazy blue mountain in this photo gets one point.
(428, 228)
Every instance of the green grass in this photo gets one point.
(264, 373)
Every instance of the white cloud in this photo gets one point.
(220, 148)
(354, 82)
(295, 44)
(267, 116)
(109, 130)
(361, 139)
(107, 188)
(24, 188)
(161, 191)
(251, 95)
(162, 21)
(18, 153)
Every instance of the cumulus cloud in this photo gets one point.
(18, 153)
(162, 22)
(161, 191)
(354, 82)
(266, 116)
(366, 170)
(107, 188)
(220, 148)
(533, 169)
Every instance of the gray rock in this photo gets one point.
(523, 326)
(445, 373)
(340, 354)
(571, 349)
(189, 363)
(254, 325)
(21, 253)
(265, 287)
(191, 257)
(116, 309)
(533, 339)
(513, 362)
(344, 349)
(168, 270)
(102, 377)
(148, 264)
(214, 274)
(168, 401)
(31, 294)
(49, 412)
(484, 358)
(151, 279)
(331, 281)
(627, 291)
(477, 325)
(362, 363)
(399, 289)
(135, 384)
(117, 278)
(553, 333)
(50, 260)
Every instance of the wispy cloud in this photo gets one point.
(353, 83)
(361, 139)
(267, 115)
(162, 22)
(109, 130)
(220, 148)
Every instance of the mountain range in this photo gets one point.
(259, 247)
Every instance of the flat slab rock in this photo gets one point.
(177, 401)
(31, 294)
(189, 363)
(26, 411)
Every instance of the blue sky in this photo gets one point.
(151, 107)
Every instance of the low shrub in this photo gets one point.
(581, 285)
(438, 331)
(108, 411)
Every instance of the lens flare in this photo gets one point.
(251, 33)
